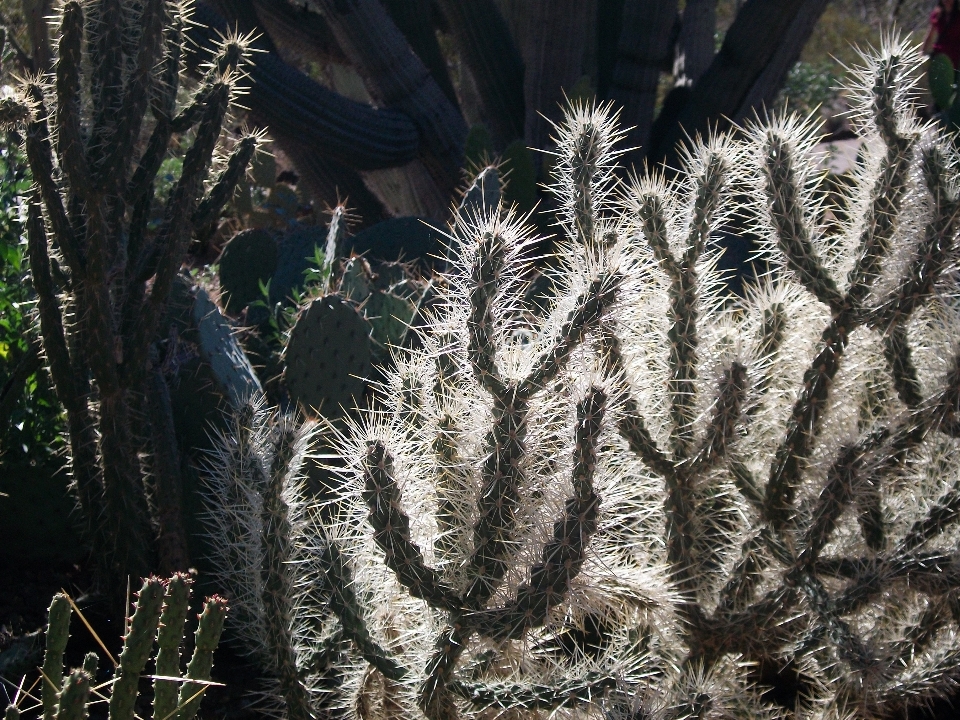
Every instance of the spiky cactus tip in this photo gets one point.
(619, 507)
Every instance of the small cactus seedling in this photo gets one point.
(247, 261)
(328, 357)
(158, 619)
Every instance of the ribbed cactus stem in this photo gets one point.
(74, 697)
(70, 140)
(277, 575)
(137, 646)
(533, 696)
(209, 208)
(583, 162)
(485, 274)
(172, 619)
(55, 641)
(201, 662)
(452, 531)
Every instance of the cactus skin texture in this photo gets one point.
(95, 140)
(618, 508)
(161, 605)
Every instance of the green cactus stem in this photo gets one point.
(74, 697)
(58, 632)
(172, 619)
(137, 646)
(201, 662)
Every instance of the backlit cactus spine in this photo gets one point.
(96, 135)
(617, 511)
(260, 530)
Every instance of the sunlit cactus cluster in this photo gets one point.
(629, 504)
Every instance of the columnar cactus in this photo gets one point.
(96, 135)
(159, 617)
(620, 509)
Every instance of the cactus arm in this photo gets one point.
(70, 141)
(803, 424)
(175, 230)
(168, 482)
(790, 225)
(631, 424)
(293, 105)
(932, 255)
(391, 527)
(105, 49)
(344, 602)
(172, 619)
(136, 97)
(567, 693)
(210, 207)
(90, 662)
(371, 41)
(494, 60)
(79, 420)
(588, 311)
(434, 696)
(55, 641)
(711, 181)
(136, 649)
(74, 697)
(481, 348)
(563, 555)
(683, 329)
(887, 193)
(452, 532)
(163, 98)
(727, 411)
(276, 576)
(744, 578)
(201, 662)
(945, 511)
(40, 159)
(897, 352)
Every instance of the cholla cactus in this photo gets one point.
(260, 534)
(619, 508)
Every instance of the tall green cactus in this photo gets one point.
(95, 139)
(161, 605)
(618, 510)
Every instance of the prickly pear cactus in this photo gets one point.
(328, 357)
(249, 259)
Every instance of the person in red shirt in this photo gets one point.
(944, 34)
